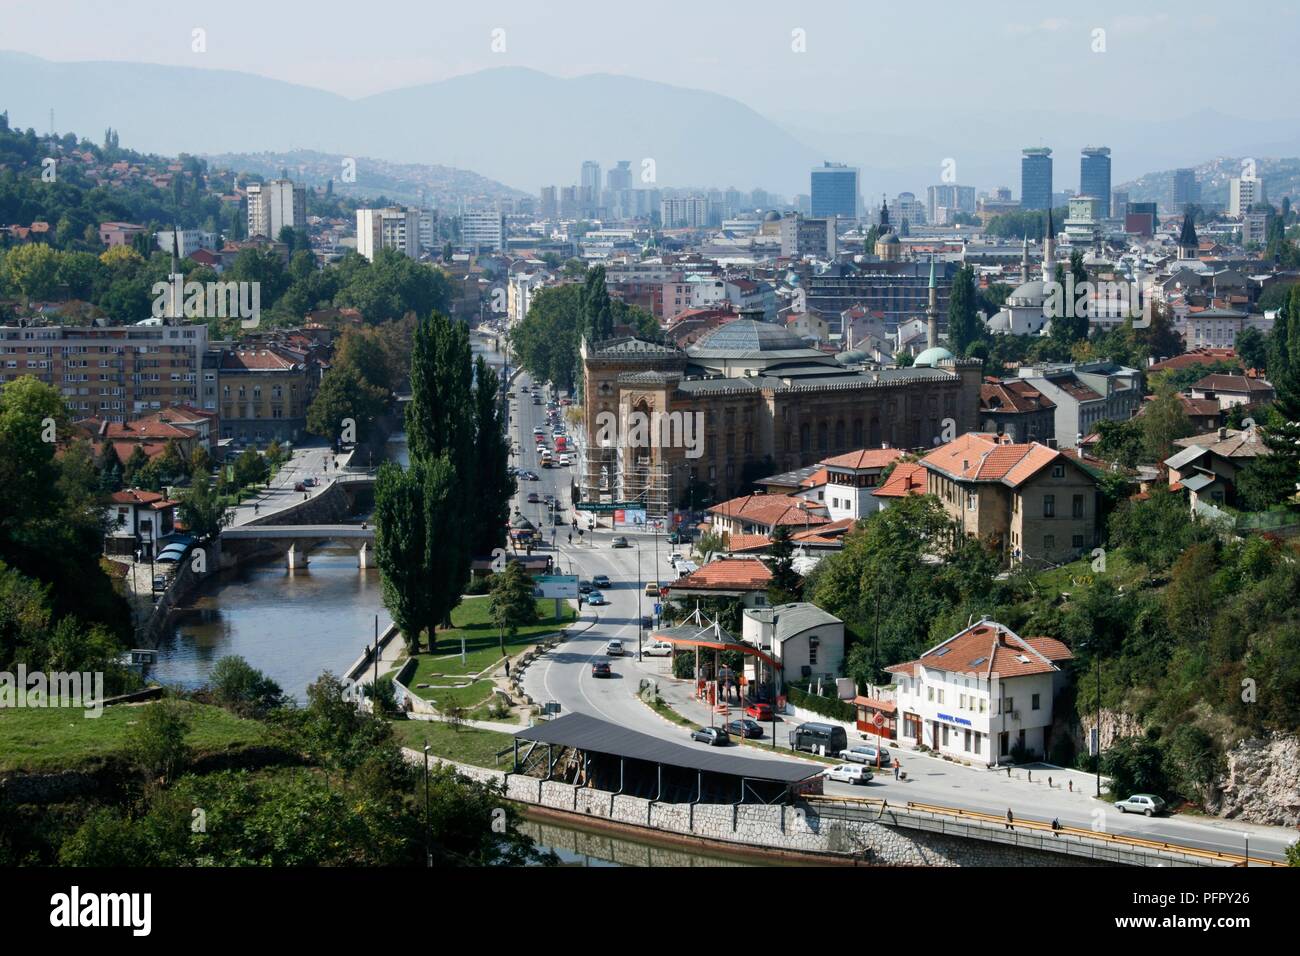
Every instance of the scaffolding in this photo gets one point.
(645, 481)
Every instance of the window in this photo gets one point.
(929, 693)
(1033, 705)
(970, 501)
(812, 653)
(941, 695)
(1078, 506)
(978, 736)
(984, 706)
(1049, 542)
(962, 702)
(945, 735)
(966, 741)
(1049, 506)
(1058, 471)
(1077, 541)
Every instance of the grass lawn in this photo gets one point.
(482, 643)
(445, 697)
(1077, 575)
(62, 738)
(466, 745)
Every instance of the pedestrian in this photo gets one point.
(1011, 820)
(570, 537)
(1071, 783)
(1031, 775)
(1049, 783)
(1056, 826)
(507, 668)
(1008, 773)
(895, 769)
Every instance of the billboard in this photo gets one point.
(630, 518)
(555, 586)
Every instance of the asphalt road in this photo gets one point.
(565, 676)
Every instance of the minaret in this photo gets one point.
(1049, 251)
(932, 312)
(1024, 262)
(175, 277)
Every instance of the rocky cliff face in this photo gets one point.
(1262, 784)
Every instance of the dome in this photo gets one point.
(750, 335)
(932, 357)
(889, 239)
(771, 216)
(1031, 293)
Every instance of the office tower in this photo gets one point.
(483, 230)
(569, 205)
(619, 177)
(274, 205)
(1118, 203)
(1244, 193)
(684, 213)
(835, 191)
(1187, 191)
(948, 196)
(1094, 174)
(590, 178)
(550, 206)
(907, 208)
(392, 227)
(1036, 178)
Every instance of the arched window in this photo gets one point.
(839, 436)
(805, 438)
(857, 433)
(823, 437)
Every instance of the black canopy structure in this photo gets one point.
(628, 761)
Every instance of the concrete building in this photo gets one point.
(119, 233)
(264, 394)
(801, 236)
(948, 196)
(1244, 192)
(1186, 190)
(1029, 502)
(390, 227)
(275, 204)
(115, 373)
(806, 641)
(983, 696)
(852, 479)
(1094, 176)
(1086, 394)
(187, 241)
(483, 230)
(1017, 409)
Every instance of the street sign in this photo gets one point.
(659, 608)
(878, 719)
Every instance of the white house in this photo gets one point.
(807, 641)
(981, 694)
(146, 515)
(851, 479)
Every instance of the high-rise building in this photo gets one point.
(550, 206)
(391, 227)
(1187, 190)
(835, 191)
(907, 208)
(1036, 178)
(691, 212)
(275, 204)
(807, 237)
(1094, 175)
(1244, 193)
(1118, 203)
(483, 230)
(620, 177)
(948, 196)
(590, 178)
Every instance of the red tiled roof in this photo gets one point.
(142, 499)
(988, 648)
(884, 706)
(770, 510)
(1013, 396)
(866, 458)
(748, 542)
(727, 574)
(976, 456)
(907, 478)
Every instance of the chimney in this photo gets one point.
(1223, 433)
(1051, 443)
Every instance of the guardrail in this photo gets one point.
(1110, 839)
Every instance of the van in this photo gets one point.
(819, 738)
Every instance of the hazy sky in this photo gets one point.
(1172, 57)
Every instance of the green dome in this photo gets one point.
(932, 357)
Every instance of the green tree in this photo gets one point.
(1163, 420)
(786, 585)
(511, 603)
(201, 508)
(963, 322)
(157, 741)
(238, 686)
(344, 395)
(401, 550)
(492, 482)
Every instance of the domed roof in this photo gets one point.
(771, 216)
(1031, 293)
(750, 335)
(932, 357)
(889, 239)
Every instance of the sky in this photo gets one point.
(917, 56)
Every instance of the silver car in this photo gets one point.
(1147, 804)
(865, 754)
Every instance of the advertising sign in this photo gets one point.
(556, 586)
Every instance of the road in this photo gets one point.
(564, 675)
(307, 461)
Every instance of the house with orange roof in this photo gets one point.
(1028, 501)
(907, 478)
(851, 478)
(983, 696)
(763, 514)
(744, 578)
(145, 515)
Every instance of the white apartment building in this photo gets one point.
(275, 204)
(981, 694)
(392, 227)
(851, 480)
(483, 230)
(189, 241)
(519, 294)
(1244, 193)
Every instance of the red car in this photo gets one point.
(759, 711)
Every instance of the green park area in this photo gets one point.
(459, 743)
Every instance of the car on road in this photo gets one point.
(530, 476)
(848, 773)
(300, 486)
(584, 587)
(601, 581)
(600, 669)
(534, 498)
(674, 558)
(744, 727)
(759, 711)
(679, 537)
(619, 542)
(713, 736)
(867, 753)
(651, 588)
(565, 461)
(614, 649)
(1147, 804)
(311, 482)
(548, 497)
(657, 649)
(596, 599)
(539, 430)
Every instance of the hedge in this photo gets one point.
(826, 706)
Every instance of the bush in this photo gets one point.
(831, 707)
(157, 742)
(238, 686)
(480, 584)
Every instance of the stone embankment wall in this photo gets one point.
(1262, 784)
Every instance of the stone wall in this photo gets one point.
(1262, 784)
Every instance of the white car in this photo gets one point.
(614, 649)
(658, 649)
(565, 461)
(1144, 803)
(848, 773)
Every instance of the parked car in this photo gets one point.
(657, 649)
(848, 773)
(614, 649)
(713, 736)
(817, 737)
(759, 711)
(866, 754)
(530, 476)
(1147, 804)
(652, 588)
(619, 542)
(679, 537)
(596, 599)
(601, 580)
(744, 727)
(600, 669)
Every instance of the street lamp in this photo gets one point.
(640, 588)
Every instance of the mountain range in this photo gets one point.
(527, 129)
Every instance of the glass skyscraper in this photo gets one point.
(1094, 174)
(1036, 178)
(835, 191)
